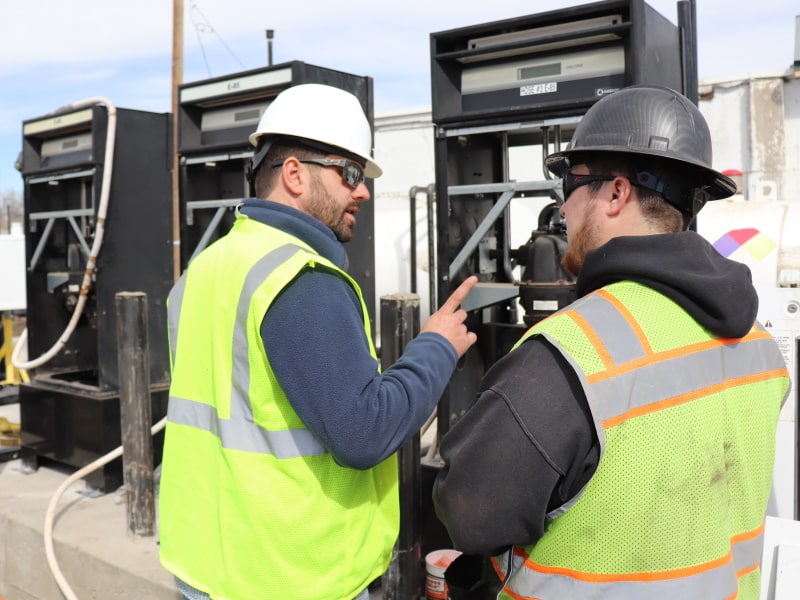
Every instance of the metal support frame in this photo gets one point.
(508, 191)
(430, 198)
(222, 205)
(51, 217)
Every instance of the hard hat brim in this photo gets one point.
(371, 168)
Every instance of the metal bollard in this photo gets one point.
(133, 360)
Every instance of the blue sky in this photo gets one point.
(55, 52)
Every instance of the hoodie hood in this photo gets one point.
(717, 292)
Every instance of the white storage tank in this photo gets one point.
(12, 269)
(763, 235)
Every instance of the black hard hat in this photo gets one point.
(649, 120)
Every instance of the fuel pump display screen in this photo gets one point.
(587, 66)
(539, 71)
(234, 116)
(572, 76)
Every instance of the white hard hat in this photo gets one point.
(323, 114)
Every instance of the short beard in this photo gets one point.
(582, 242)
(324, 209)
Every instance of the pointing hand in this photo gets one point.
(448, 321)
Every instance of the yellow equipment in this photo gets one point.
(13, 376)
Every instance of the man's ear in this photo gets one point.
(621, 190)
(293, 177)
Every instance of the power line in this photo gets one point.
(202, 25)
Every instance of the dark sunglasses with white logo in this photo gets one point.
(572, 181)
(352, 173)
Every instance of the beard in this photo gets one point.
(580, 244)
(323, 208)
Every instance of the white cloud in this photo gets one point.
(55, 52)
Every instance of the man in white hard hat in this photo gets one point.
(279, 478)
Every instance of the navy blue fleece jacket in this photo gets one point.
(314, 336)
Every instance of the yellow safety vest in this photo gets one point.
(686, 423)
(252, 505)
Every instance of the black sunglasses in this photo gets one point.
(351, 172)
(571, 182)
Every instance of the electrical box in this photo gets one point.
(216, 117)
(70, 408)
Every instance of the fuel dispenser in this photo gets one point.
(504, 95)
(500, 90)
(215, 118)
(97, 189)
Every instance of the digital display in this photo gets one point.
(247, 115)
(535, 71)
(535, 74)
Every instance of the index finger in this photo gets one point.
(461, 292)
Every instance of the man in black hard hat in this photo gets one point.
(624, 448)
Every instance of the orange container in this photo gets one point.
(436, 564)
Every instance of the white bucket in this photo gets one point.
(436, 563)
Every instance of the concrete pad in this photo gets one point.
(96, 555)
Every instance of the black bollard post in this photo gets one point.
(133, 360)
(402, 580)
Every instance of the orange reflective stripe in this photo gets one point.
(656, 575)
(632, 322)
(749, 535)
(497, 570)
(747, 570)
(518, 551)
(621, 577)
(517, 596)
(689, 397)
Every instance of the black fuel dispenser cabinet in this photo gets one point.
(215, 119)
(70, 409)
(555, 63)
(518, 88)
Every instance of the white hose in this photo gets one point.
(105, 192)
(51, 511)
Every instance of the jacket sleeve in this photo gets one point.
(315, 340)
(525, 447)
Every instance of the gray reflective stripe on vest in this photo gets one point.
(662, 379)
(619, 339)
(683, 375)
(236, 434)
(722, 578)
(173, 311)
(239, 432)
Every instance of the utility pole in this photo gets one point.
(177, 79)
